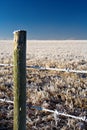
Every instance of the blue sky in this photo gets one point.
(44, 19)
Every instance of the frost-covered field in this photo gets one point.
(54, 51)
(65, 92)
(72, 49)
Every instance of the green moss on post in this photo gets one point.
(19, 80)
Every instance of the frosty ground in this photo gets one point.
(65, 92)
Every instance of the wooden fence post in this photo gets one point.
(19, 80)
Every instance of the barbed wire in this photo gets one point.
(7, 101)
(52, 69)
(55, 112)
(2, 65)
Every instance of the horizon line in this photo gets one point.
(38, 40)
(48, 39)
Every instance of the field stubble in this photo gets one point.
(65, 92)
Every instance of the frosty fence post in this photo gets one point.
(19, 80)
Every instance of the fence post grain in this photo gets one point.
(19, 80)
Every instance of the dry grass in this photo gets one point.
(65, 92)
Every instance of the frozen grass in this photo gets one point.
(65, 92)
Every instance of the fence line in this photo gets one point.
(60, 70)
(52, 69)
(55, 112)
(7, 101)
(2, 65)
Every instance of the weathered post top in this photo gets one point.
(19, 36)
(19, 39)
(18, 31)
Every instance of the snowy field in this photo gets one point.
(54, 50)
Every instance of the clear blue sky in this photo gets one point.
(44, 19)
